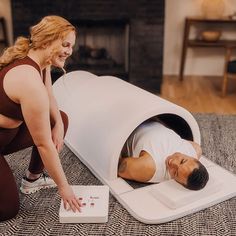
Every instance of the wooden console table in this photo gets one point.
(187, 42)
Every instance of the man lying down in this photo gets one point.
(154, 153)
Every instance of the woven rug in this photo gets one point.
(39, 212)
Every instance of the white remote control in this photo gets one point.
(94, 200)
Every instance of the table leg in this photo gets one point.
(184, 49)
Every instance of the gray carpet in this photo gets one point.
(39, 212)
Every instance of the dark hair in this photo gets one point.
(198, 178)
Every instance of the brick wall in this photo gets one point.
(146, 29)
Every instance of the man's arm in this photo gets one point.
(198, 149)
(140, 169)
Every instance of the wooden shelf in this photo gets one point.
(211, 21)
(194, 43)
(218, 43)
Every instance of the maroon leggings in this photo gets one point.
(12, 140)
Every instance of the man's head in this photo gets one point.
(187, 171)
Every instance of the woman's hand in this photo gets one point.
(69, 199)
(58, 136)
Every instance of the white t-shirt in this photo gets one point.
(160, 142)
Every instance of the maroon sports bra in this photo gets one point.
(8, 107)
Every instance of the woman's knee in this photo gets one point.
(9, 210)
(9, 202)
(9, 196)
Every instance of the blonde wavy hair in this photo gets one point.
(49, 29)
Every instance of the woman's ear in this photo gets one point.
(46, 45)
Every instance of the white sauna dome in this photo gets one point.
(103, 111)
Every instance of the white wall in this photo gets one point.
(5, 11)
(199, 61)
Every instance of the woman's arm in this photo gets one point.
(58, 129)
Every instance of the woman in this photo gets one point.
(29, 115)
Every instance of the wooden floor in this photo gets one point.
(200, 94)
